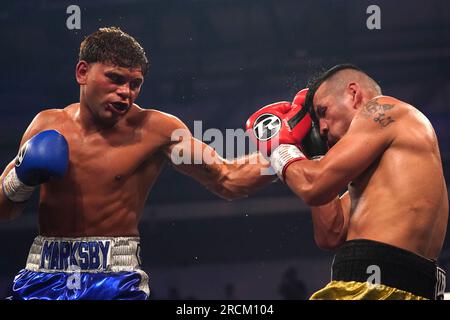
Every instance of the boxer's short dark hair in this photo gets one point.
(112, 45)
(317, 79)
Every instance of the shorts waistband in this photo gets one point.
(85, 254)
(366, 261)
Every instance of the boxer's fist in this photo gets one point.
(44, 156)
(279, 123)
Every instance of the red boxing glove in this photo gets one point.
(278, 124)
(267, 128)
(301, 122)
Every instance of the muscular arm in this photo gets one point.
(9, 209)
(371, 132)
(330, 222)
(229, 179)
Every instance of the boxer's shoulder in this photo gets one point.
(384, 111)
(401, 110)
(405, 122)
(46, 119)
(162, 123)
(385, 104)
(51, 115)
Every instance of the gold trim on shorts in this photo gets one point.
(353, 290)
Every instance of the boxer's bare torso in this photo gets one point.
(116, 152)
(111, 172)
(401, 199)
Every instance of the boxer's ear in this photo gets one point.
(354, 90)
(81, 72)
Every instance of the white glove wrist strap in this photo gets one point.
(14, 189)
(283, 156)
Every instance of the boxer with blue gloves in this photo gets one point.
(91, 202)
(44, 156)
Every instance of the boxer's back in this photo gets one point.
(401, 199)
(110, 175)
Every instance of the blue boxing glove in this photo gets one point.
(42, 157)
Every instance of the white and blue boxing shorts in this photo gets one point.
(94, 268)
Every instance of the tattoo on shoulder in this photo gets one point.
(377, 111)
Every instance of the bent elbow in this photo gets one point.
(314, 197)
(230, 194)
(228, 189)
(311, 198)
(330, 239)
(327, 246)
(329, 243)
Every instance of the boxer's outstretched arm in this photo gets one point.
(230, 179)
(330, 222)
(371, 132)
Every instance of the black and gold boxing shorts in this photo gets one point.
(370, 270)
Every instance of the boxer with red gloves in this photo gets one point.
(389, 228)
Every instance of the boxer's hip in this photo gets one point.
(365, 269)
(82, 268)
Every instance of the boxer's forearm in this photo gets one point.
(8, 209)
(246, 175)
(312, 182)
(330, 223)
(301, 177)
(229, 179)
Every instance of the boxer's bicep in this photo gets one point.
(196, 159)
(229, 179)
(354, 153)
(370, 134)
(193, 157)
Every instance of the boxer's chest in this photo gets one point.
(108, 158)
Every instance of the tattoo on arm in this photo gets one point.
(377, 112)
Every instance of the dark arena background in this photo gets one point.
(217, 61)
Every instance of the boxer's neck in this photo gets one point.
(89, 121)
